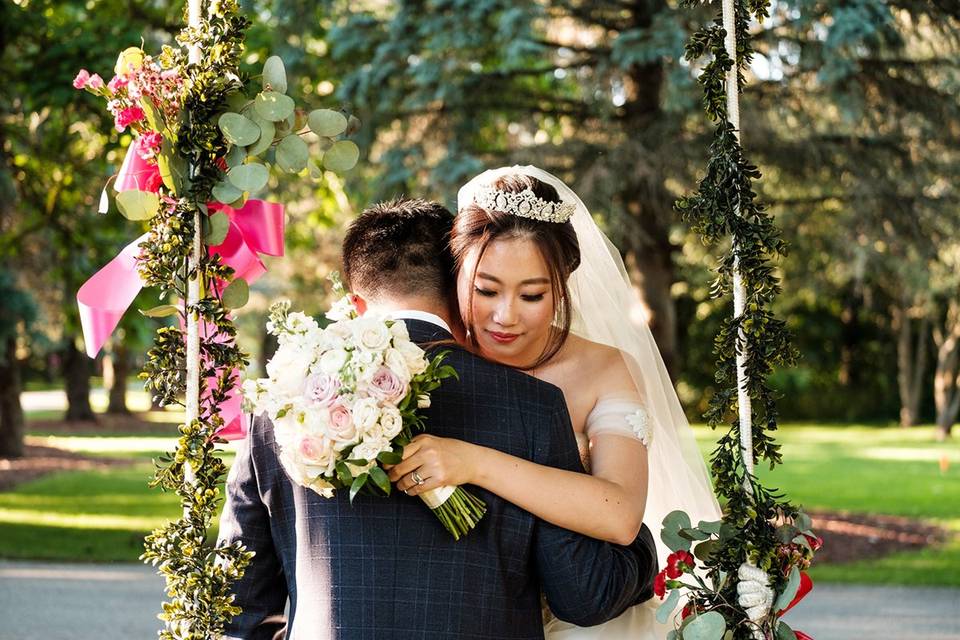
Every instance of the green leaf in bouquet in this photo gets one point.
(238, 102)
(138, 205)
(249, 177)
(390, 457)
(357, 485)
(665, 609)
(787, 532)
(315, 171)
(670, 534)
(802, 541)
(672, 634)
(353, 125)
(235, 157)
(789, 591)
(343, 473)
(226, 193)
(326, 143)
(274, 106)
(703, 550)
(173, 168)
(268, 131)
(236, 294)
(152, 115)
(292, 154)
(803, 522)
(706, 626)
(342, 156)
(693, 534)
(784, 632)
(238, 129)
(327, 123)
(219, 226)
(162, 311)
(380, 479)
(274, 75)
(710, 526)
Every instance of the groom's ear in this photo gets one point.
(358, 303)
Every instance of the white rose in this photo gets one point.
(371, 333)
(392, 422)
(332, 361)
(366, 414)
(367, 450)
(399, 330)
(413, 355)
(288, 369)
(394, 359)
(342, 309)
(423, 401)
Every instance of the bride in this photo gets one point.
(542, 289)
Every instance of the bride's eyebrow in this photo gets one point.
(487, 276)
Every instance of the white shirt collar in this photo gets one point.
(416, 314)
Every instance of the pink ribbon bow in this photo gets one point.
(255, 228)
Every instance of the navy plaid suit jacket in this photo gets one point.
(386, 568)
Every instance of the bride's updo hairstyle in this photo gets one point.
(475, 227)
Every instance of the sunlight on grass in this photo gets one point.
(78, 521)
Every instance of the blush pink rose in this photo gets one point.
(315, 449)
(322, 389)
(341, 424)
(387, 386)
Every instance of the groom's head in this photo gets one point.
(398, 250)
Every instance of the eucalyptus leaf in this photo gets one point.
(274, 75)
(226, 193)
(666, 608)
(274, 106)
(315, 172)
(219, 226)
(162, 311)
(236, 294)
(342, 156)
(784, 632)
(238, 129)
(173, 169)
(138, 205)
(327, 122)
(326, 143)
(670, 534)
(693, 534)
(292, 154)
(710, 526)
(267, 132)
(706, 626)
(249, 177)
(236, 156)
(789, 591)
(672, 634)
(803, 522)
(703, 550)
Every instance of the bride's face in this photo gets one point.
(512, 301)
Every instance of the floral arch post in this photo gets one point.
(751, 562)
(202, 129)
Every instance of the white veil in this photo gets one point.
(606, 309)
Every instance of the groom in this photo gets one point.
(385, 568)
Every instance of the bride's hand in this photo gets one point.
(436, 461)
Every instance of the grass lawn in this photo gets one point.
(103, 515)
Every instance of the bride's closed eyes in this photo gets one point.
(527, 297)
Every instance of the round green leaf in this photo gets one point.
(784, 632)
(219, 226)
(315, 172)
(226, 193)
(236, 156)
(342, 156)
(706, 626)
(709, 526)
(267, 132)
(238, 129)
(703, 550)
(138, 205)
(789, 591)
(670, 534)
(665, 609)
(173, 168)
(327, 122)
(292, 154)
(274, 75)
(249, 177)
(273, 106)
(236, 294)
(162, 311)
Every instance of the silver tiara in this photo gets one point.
(524, 204)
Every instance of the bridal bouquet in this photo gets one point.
(344, 400)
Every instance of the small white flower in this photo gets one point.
(399, 331)
(423, 401)
(639, 421)
(332, 361)
(371, 333)
(342, 309)
(391, 421)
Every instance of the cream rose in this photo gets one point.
(391, 421)
(394, 359)
(332, 361)
(413, 355)
(371, 334)
(366, 414)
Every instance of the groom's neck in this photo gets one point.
(390, 304)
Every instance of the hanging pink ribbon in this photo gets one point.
(255, 228)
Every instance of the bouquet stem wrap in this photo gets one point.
(458, 510)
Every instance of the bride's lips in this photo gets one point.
(503, 338)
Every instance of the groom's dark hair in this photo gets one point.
(400, 247)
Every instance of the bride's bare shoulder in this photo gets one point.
(603, 365)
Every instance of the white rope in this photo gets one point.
(193, 286)
(739, 290)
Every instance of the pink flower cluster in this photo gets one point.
(84, 80)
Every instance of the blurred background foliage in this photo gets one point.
(851, 111)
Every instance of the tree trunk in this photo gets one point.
(120, 369)
(76, 375)
(946, 382)
(911, 363)
(12, 425)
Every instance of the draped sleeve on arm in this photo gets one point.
(621, 417)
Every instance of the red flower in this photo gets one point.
(801, 635)
(806, 584)
(678, 562)
(687, 610)
(673, 571)
(815, 541)
(660, 585)
(686, 558)
(153, 181)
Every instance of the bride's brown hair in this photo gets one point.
(476, 227)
